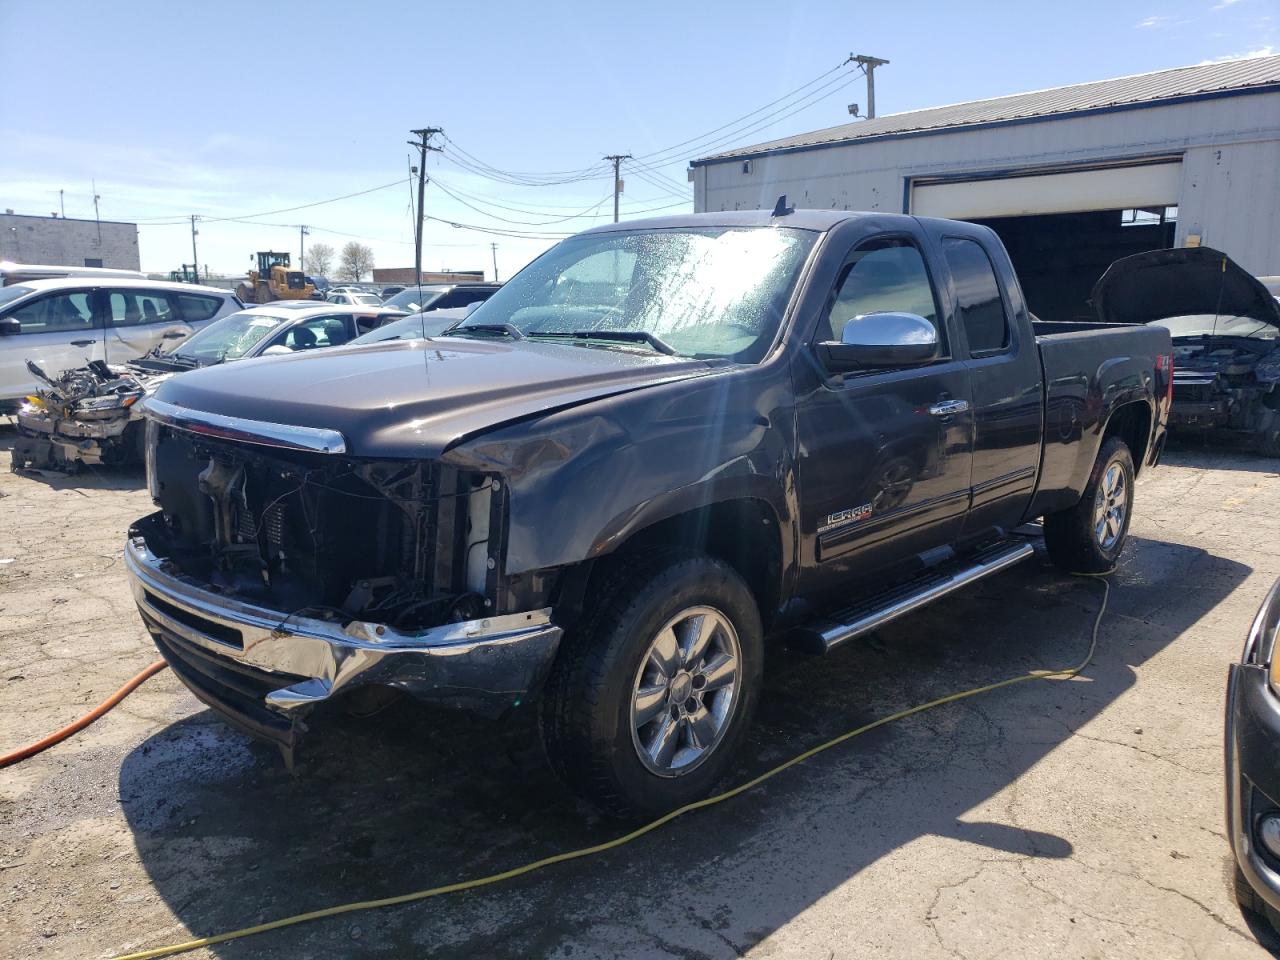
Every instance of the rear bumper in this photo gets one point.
(265, 670)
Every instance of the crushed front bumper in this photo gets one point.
(265, 670)
(47, 440)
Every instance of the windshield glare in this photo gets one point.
(1204, 325)
(9, 294)
(717, 292)
(227, 339)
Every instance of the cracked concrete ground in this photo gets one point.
(1069, 818)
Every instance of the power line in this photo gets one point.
(266, 213)
(785, 96)
(528, 223)
(769, 119)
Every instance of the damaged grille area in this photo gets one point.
(404, 543)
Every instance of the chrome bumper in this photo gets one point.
(230, 653)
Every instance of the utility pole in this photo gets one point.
(303, 233)
(494, 248)
(62, 205)
(423, 143)
(869, 65)
(96, 219)
(617, 159)
(195, 261)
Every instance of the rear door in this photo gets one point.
(1004, 366)
(885, 454)
(139, 320)
(60, 331)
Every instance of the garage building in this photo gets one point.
(1071, 178)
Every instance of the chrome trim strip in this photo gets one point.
(837, 633)
(261, 432)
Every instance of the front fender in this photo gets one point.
(582, 481)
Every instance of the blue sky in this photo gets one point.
(240, 108)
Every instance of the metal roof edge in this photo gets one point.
(748, 154)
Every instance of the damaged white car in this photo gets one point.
(90, 415)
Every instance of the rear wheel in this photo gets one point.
(650, 697)
(1088, 537)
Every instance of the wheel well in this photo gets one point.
(1132, 424)
(743, 533)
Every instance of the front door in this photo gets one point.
(59, 331)
(885, 455)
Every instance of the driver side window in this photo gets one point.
(884, 276)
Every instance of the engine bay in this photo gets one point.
(404, 543)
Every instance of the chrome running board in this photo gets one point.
(822, 636)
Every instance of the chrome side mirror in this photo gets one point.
(875, 340)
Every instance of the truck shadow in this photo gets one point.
(408, 800)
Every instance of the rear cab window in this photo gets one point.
(979, 306)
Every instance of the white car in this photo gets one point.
(65, 323)
(354, 298)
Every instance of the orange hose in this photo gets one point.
(31, 749)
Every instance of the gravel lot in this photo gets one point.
(1076, 818)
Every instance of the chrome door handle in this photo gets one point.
(949, 408)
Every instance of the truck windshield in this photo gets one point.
(717, 292)
(227, 339)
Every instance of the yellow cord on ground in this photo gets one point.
(520, 871)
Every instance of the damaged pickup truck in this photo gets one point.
(656, 446)
(1225, 324)
(90, 415)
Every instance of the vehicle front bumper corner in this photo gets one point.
(1252, 775)
(265, 670)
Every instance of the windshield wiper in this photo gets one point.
(510, 329)
(619, 336)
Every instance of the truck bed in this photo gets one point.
(1089, 368)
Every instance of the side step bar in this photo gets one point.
(822, 636)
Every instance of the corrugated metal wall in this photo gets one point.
(1230, 148)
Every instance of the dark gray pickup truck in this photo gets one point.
(657, 446)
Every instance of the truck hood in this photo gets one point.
(416, 398)
(1159, 284)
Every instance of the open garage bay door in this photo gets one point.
(1076, 191)
(1063, 229)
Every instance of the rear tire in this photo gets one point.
(1089, 537)
(651, 694)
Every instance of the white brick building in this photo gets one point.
(68, 243)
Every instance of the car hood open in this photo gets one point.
(1159, 284)
(416, 398)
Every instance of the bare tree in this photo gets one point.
(318, 260)
(357, 260)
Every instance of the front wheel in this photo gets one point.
(1089, 537)
(651, 695)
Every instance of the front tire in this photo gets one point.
(650, 696)
(1089, 537)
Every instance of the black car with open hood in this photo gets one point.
(1226, 337)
